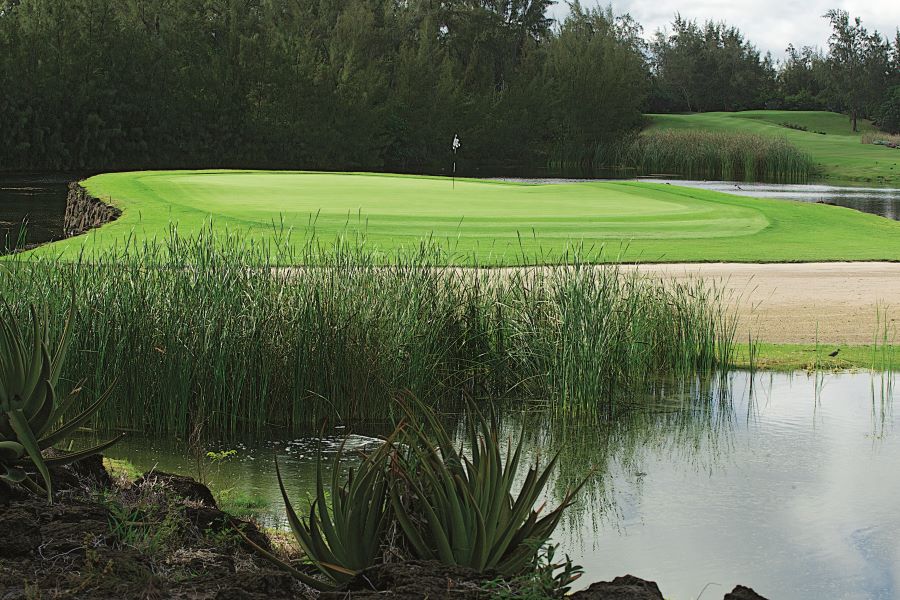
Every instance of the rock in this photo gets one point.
(84, 212)
(627, 587)
(69, 550)
(743, 593)
(182, 487)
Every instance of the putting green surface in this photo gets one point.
(486, 222)
(839, 154)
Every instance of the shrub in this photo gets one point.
(451, 507)
(31, 420)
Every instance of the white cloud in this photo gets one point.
(769, 24)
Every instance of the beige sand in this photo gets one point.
(785, 303)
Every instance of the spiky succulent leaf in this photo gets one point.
(28, 407)
(471, 516)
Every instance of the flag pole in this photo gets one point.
(455, 147)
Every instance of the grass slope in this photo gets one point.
(487, 222)
(839, 154)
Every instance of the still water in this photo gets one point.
(787, 483)
(36, 202)
(878, 201)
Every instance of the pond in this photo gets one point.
(878, 201)
(784, 482)
(37, 201)
(40, 200)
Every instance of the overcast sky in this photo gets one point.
(770, 24)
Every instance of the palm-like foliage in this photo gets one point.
(470, 515)
(29, 412)
(449, 507)
(348, 538)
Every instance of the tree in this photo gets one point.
(846, 59)
(803, 80)
(708, 68)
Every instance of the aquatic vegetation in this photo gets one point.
(29, 412)
(730, 155)
(209, 329)
(837, 155)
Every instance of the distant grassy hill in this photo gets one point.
(838, 153)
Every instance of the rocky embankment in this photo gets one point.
(85, 212)
(162, 536)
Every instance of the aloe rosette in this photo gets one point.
(31, 419)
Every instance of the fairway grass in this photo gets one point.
(839, 154)
(482, 222)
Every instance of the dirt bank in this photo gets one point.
(790, 303)
(162, 536)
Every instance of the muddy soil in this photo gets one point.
(163, 537)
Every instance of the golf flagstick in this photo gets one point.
(456, 145)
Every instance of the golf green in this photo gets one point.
(485, 222)
(838, 153)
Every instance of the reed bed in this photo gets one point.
(211, 330)
(718, 155)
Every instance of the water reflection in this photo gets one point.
(884, 202)
(36, 199)
(791, 488)
(801, 505)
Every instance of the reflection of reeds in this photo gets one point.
(207, 328)
(719, 155)
(688, 420)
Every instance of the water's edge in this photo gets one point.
(85, 212)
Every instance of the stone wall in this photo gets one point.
(84, 212)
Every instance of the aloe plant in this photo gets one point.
(469, 514)
(31, 419)
(346, 525)
(449, 507)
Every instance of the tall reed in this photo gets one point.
(718, 155)
(210, 328)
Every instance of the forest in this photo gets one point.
(386, 84)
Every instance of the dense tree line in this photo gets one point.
(385, 84)
(712, 67)
(310, 83)
(858, 75)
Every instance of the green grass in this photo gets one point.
(480, 222)
(201, 330)
(839, 155)
(811, 357)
